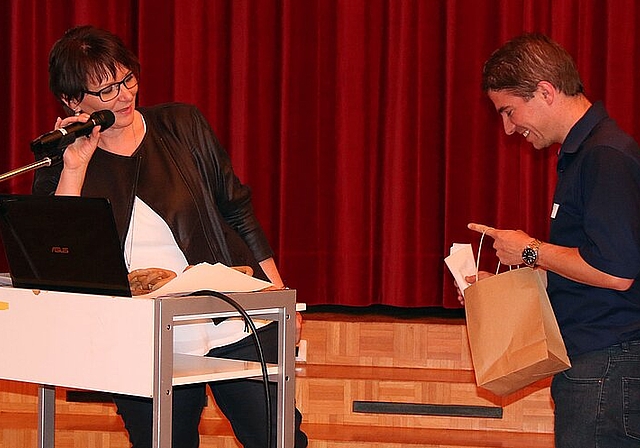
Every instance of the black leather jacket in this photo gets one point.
(182, 172)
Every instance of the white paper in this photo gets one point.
(461, 263)
(216, 277)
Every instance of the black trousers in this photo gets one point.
(241, 401)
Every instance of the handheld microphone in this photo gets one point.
(63, 137)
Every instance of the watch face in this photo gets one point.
(529, 256)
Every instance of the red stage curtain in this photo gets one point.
(359, 124)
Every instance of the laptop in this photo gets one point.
(63, 243)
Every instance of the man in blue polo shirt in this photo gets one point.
(592, 258)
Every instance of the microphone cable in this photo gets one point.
(258, 344)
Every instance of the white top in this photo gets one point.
(150, 244)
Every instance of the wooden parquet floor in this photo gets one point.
(409, 360)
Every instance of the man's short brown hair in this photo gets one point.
(521, 63)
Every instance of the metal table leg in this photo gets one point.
(46, 416)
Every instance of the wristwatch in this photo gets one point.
(530, 253)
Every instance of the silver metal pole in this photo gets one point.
(46, 416)
(33, 166)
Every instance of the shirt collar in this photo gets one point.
(581, 130)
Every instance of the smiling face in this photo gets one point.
(532, 118)
(122, 105)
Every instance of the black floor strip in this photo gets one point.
(85, 396)
(385, 407)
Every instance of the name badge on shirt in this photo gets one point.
(554, 210)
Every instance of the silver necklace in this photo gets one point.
(128, 252)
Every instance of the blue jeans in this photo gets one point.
(597, 401)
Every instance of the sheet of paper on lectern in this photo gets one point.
(216, 277)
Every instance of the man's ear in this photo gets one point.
(547, 91)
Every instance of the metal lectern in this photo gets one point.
(82, 341)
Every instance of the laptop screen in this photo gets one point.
(63, 243)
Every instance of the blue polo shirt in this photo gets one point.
(596, 208)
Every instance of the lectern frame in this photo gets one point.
(85, 336)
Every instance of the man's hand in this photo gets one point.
(471, 279)
(508, 244)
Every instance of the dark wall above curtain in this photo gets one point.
(359, 124)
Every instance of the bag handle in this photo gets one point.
(478, 257)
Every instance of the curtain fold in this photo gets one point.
(359, 124)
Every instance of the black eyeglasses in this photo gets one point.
(113, 90)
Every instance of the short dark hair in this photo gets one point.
(86, 53)
(520, 64)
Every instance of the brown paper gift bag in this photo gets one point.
(513, 333)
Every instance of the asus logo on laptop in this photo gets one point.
(59, 250)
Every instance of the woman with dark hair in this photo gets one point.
(177, 202)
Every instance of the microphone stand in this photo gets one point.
(62, 138)
(47, 161)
